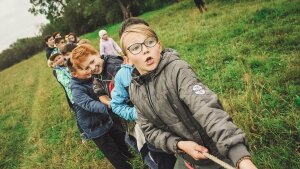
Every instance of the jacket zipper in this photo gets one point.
(151, 103)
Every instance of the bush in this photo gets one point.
(20, 50)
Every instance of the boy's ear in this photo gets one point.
(160, 46)
(74, 74)
(126, 60)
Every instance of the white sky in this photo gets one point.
(16, 22)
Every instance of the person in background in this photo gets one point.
(67, 39)
(108, 47)
(50, 47)
(56, 35)
(67, 49)
(73, 38)
(58, 59)
(49, 40)
(176, 112)
(59, 43)
(200, 5)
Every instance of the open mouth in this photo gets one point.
(149, 60)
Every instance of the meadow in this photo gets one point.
(248, 52)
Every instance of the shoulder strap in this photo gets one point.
(183, 113)
(200, 136)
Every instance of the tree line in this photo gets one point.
(79, 16)
(20, 50)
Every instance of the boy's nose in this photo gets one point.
(89, 71)
(145, 49)
(92, 67)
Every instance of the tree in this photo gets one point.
(125, 10)
(51, 9)
(81, 16)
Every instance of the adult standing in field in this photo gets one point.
(108, 47)
(200, 5)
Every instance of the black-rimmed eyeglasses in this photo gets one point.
(138, 47)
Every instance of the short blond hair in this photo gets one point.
(138, 28)
(80, 54)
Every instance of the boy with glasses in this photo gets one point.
(179, 114)
(122, 106)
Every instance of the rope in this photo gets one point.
(218, 161)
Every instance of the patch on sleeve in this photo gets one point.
(198, 89)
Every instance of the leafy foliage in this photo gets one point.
(82, 16)
(20, 50)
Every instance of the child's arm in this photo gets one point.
(101, 48)
(64, 79)
(209, 113)
(82, 99)
(120, 96)
(117, 47)
(160, 138)
(50, 63)
(105, 100)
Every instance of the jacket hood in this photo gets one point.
(167, 56)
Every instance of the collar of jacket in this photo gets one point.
(139, 79)
(167, 56)
(83, 80)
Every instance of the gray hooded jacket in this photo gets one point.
(174, 78)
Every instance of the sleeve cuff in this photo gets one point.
(172, 144)
(135, 116)
(236, 152)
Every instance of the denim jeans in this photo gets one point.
(130, 140)
(114, 148)
(163, 159)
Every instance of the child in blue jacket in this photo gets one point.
(92, 115)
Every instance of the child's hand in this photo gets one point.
(50, 64)
(246, 164)
(105, 100)
(193, 149)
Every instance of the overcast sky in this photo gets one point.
(16, 22)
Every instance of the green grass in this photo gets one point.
(246, 51)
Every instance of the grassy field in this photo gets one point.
(246, 51)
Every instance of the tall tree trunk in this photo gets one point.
(125, 10)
